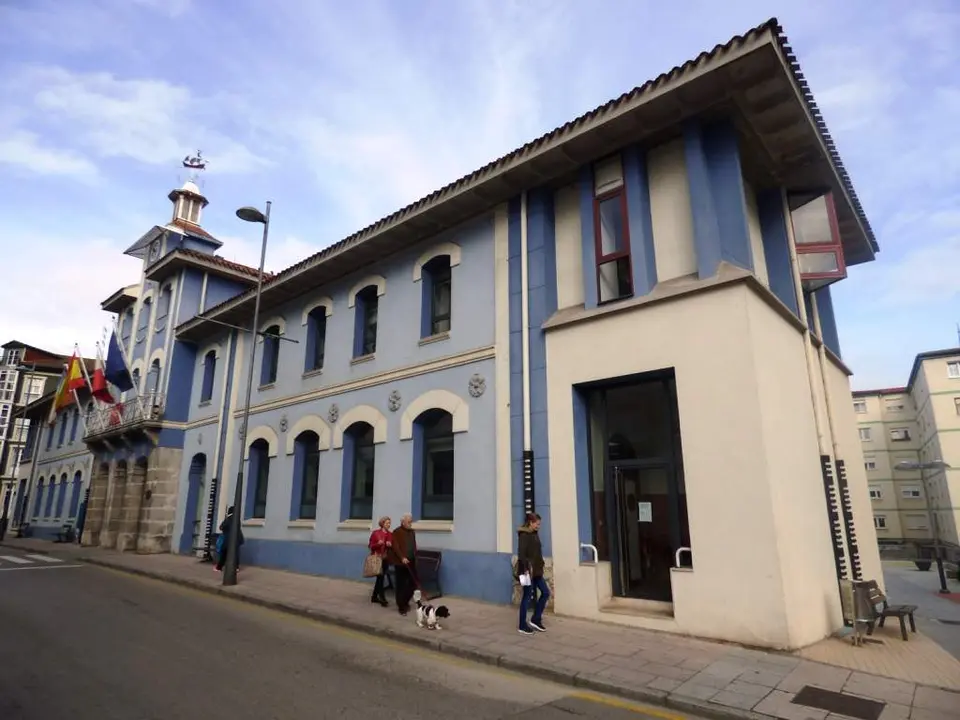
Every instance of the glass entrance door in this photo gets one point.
(645, 526)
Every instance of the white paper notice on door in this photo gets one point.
(644, 512)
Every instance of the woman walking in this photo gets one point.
(380, 543)
(530, 561)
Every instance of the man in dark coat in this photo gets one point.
(403, 556)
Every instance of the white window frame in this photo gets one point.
(879, 522)
(860, 406)
(900, 434)
(875, 493)
(911, 492)
(953, 369)
(869, 464)
(865, 434)
(921, 523)
(894, 405)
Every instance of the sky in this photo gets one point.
(341, 113)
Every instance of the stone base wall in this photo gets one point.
(130, 506)
(93, 522)
(159, 508)
(547, 575)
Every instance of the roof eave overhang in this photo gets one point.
(120, 300)
(727, 78)
(176, 261)
(140, 247)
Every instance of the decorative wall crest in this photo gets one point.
(394, 400)
(200, 438)
(333, 414)
(240, 427)
(283, 424)
(477, 385)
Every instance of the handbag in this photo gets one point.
(372, 566)
(220, 543)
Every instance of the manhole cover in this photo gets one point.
(834, 702)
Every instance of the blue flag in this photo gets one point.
(116, 368)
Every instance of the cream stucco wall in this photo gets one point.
(761, 555)
(672, 218)
(566, 204)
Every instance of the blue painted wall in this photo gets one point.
(180, 381)
(640, 222)
(220, 289)
(192, 280)
(828, 320)
(776, 247)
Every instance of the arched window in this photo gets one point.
(135, 377)
(306, 476)
(144, 323)
(435, 301)
(38, 501)
(259, 479)
(48, 501)
(316, 339)
(73, 424)
(61, 496)
(365, 322)
(209, 374)
(62, 421)
(433, 465)
(271, 355)
(359, 470)
(163, 308)
(75, 494)
(126, 328)
(153, 377)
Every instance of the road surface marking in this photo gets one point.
(44, 558)
(626, 705)
(15, 560)
(40, 567)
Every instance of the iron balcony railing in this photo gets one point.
(141, 409)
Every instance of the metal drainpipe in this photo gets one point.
(822, 353)
(525, 354)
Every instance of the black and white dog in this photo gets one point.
(427, 614)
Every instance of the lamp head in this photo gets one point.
(252, 215)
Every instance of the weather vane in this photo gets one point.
(195, 163)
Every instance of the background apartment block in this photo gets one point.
(918, 423)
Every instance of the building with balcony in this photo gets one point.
(919, 424)
(544, 334)
(56, 466)
(26, 374)
(138, 444)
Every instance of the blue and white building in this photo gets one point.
(626, 325)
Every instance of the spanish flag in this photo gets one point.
(71, 382)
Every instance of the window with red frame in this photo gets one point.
(817, 236)
(612, 241)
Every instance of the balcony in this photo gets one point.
(131, 417)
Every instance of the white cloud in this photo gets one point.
(149, 121)
(25, 151)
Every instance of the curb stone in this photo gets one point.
(570, 678)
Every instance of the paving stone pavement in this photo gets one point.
(683, 673)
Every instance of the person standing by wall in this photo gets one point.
(530, 561)
(381, 540)
(403, 556)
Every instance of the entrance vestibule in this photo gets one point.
(639, 508)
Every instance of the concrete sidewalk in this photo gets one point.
(686, 674)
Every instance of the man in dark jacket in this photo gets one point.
(530, 561)
(224, 539)
(403, 557)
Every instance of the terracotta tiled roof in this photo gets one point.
(191, 228)
(222, 262)
(772, 25)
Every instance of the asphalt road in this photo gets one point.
(92, 644)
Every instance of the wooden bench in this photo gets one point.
(901, 612)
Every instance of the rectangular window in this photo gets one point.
(875, 493)
(917, 522)
(953, 369)
(144, 323)
(880, 522)
(361, 500)
(910, 493)
(262, 485)
(612, 243)
(956, 404)
(899, 434)
(894, 405)
(308, 488)
(869, 464)
(817, 237)
(860, 406)
(865, 434)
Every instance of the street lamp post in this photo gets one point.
(934, 520)
(247, 214)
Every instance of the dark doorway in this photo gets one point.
(640, 508)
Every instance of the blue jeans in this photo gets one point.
(540, 585)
